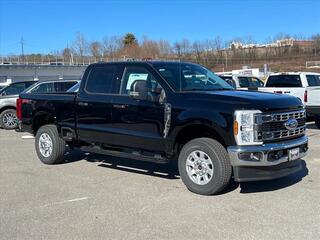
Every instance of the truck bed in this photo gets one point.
(60, 107)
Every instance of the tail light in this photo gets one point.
(306, 96)
(19, 108)
(19, 102)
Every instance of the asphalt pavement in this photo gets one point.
(100, 197)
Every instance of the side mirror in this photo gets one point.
(139, 90)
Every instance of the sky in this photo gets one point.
(47, 25)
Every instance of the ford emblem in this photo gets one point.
(291, 124)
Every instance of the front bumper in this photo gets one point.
(267, 168)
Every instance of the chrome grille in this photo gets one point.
(271, 127)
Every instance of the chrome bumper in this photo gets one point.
(265, 149)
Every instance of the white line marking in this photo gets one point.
(27, 137)
(65, 201)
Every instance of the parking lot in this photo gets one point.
(99, 197)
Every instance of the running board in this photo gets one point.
(157, 158)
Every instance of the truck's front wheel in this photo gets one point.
(204, 166)
(50, 147)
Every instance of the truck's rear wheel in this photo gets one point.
(8, 119)
(50, 147)
(204, 166)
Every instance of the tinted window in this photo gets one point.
(255, 82)
(313, 80)
(243, 81)
(63, 86)
(101, 79)
(284, 81)
(43, 88)
(229, 80)
(75, 88)
(13, 89)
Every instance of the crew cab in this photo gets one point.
(303, 85)
(242, 82)
(171, 111)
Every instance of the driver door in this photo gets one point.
(138, 118)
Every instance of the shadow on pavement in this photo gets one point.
(312, 126)
(170, 171)
(276, 184)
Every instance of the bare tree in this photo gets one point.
(177, 48)
(164, 48)
(112, 46)
(80, 46)
(67, 55)
(149, 48)
(96, 50)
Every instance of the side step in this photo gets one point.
(157, 158)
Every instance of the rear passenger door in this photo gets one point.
(94, 103)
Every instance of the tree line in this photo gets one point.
(214, 53)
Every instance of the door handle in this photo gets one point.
(83, 104)
(120, 106)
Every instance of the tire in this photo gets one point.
(47, 136)
(220, 166)
(8, 119)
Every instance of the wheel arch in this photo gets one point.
(198, 130)
(6, 108)
(41, 118)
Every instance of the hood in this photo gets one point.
(262, 101)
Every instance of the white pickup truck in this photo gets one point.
(303, 85)
(242, 82)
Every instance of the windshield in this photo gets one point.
(190, 77)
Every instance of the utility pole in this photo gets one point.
(22, 49)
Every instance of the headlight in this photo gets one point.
(244, 127)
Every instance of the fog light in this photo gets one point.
(251, 156)
(276, 155)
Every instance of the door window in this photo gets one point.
(255, 82)
(43, 88)
(243, 82)
(63, 86)
(313, 80)
(101, 80)
(139, 76)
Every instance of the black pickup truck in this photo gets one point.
(168, 111)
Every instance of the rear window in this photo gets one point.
(313, 80)
(284, 81)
